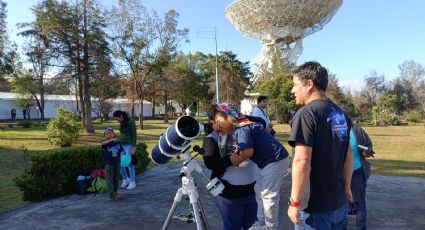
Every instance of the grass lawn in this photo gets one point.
(399, 150)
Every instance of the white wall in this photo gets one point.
(52, 102)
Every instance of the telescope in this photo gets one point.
(177, 138)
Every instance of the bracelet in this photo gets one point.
(293, 203)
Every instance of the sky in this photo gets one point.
(363, 35)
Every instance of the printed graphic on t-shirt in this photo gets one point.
(114, 150)
(338, 124)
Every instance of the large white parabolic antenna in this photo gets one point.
(280, 25)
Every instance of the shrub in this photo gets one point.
(143, 157)
(26, 124)
(53, 173)
(63, 130)
(413, 116)
(384, 117)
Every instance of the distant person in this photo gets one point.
(24, 113)
(112, 150)
(237, 204)
(320, 136)
(13, 114)
(128, 138)
(255, 143)
(261, 111)
(361, 174)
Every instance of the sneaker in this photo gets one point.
(258, 226)
(116, 197)
(125, 183)
(132, 185)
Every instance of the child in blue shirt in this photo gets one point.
(112, 149)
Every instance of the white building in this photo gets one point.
(68, 102)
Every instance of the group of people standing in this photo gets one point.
(13, 114)
(252, 163)
(113, 149)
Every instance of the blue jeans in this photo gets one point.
(358, 188)
(123, 172)
(237, 213)
(334, 220)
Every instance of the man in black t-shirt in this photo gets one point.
(320, 136)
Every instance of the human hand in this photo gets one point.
(349, 195)
(236, 159)
(115, 139)
(294, 215)
(133, 150)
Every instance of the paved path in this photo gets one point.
(393, 202)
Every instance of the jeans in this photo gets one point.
(112, 177)
(127, 149)
(358, 188)
(237, 213)
(267, 190)
(331, 220)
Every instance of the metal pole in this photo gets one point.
(217, 78)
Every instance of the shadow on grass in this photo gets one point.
(398, 167)
(388, 135)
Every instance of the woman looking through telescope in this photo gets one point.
(128, 138)
(237, 204)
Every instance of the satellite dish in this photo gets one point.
(280, 25)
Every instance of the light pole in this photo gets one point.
(211, 33)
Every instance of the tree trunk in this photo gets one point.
(141, 113)
(153, 106)
(165, 106)
(87, 97)
(41, 104)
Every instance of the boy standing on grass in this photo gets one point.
(112, 149)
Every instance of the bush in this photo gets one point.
(63, 130)
(413, 116)
(53, 173)
(26, 124)
(384, 117)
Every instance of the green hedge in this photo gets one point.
(53, 173)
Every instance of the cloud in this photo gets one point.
(354, 85)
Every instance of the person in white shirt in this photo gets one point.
(260, 111)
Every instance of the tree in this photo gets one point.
(26, 87)
(105, 87)
(384, 112)
(412, 76)
(132, 35)
(334, 91)
(75, 35)
(9, 58)
(405, 95)
(185, 85)
(375, 84)
(234, 76)
(169, 40)
(276, 83)
(33, 83)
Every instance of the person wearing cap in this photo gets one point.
(322, 153)
(236, 203)
(259, 146)
(261, 111)
(112, 150)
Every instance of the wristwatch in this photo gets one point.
(293, 203)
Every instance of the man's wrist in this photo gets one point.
(293, 203)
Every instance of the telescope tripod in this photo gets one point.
(189, 188)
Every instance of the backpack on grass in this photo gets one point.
(82, 184)
(98, 185)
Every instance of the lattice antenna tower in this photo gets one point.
(280, 25)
